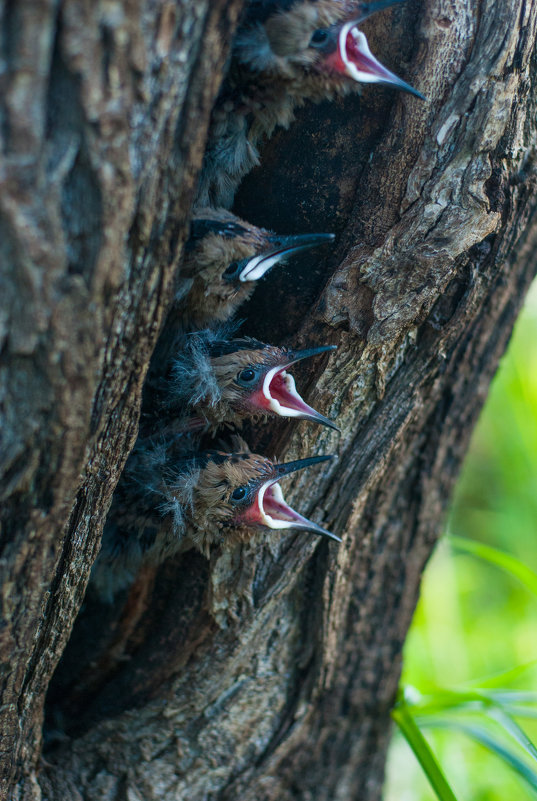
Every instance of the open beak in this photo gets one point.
(352, 56)
(269, 508)
(279, 395)
(284, 246)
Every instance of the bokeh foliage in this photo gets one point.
(474, 619)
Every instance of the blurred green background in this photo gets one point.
(473, 619)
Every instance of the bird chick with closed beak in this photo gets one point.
(167, 503)
(217, 381)
(224, 259)
(285, 52)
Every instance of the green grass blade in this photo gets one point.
(422, 752)
(501, 680)
(499, 714)
(449, 700)
(522, 712)
(473, 701)
(483, 737)
(512, 696)
(510, 564)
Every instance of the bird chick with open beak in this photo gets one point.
(217, 381)
(167, 503)
(285, 52)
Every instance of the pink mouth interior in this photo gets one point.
(271, 511)
(362, 61)
(353, 58)
(277, 508)
(282, 390)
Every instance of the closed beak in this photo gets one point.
(283, 247)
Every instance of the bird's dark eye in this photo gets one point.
(231, 270)
(319, 37)
(247, 376)
(239, 494)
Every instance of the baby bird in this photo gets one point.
(168, 502)
(285, 51)
(225, 257)
(215, 380)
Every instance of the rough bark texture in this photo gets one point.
(282, 690)
(103, 117)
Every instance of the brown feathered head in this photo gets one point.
(288, 39)
(170, 499)
(227, 380)
(225, 257)
(235, 493)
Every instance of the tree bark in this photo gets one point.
(268, 672)
(104, 113)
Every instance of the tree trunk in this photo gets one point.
(268, 672)
(104, 112)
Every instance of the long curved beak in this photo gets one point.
(281, 515)
(269, 508)
(283, 247)
(279, 395)
(286, 468)
(275, 513)
(354, 58)
(308, 353)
